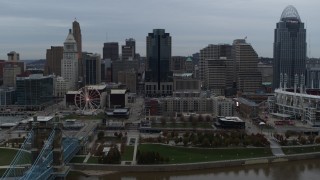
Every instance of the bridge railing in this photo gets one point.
(18, 165)
(71, 147)
(43, 161)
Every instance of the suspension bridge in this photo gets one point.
(47, 150)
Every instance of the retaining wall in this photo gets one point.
(192, 166)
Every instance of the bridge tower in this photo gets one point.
(42, 129)
(60, 170)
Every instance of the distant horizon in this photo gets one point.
(31, 27)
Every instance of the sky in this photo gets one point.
(29, 27)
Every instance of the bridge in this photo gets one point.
(47, 150)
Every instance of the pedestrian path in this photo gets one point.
(87, 158)
(275, 147)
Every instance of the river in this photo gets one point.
(294, 170)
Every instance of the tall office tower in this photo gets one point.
(129, 78)
(123, 66)
(69, 63)
(247, 76)
(92, 68)
(77, 36)
(13, 56)
(177, 64)
(289, 49)
(53, 61)
(111, 51)
(158, 77)
(129, 50)
(213, 63)
(11, 69)
(106, 73)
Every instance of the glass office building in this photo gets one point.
(289, 51)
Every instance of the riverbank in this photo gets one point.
(98, 169)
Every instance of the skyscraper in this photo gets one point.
(54, 56)
(76, 31)
(92, 68)
(77, 36)
(111, 51)
(213, 61)
(247, 76)
(158, 79)
(129, 50)
(289, 49)
(69, 63)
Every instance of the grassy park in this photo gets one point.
(300, 149)
(192, 155)
(7, 155)
(83, 117)
(128, 154)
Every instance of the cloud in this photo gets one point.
(192, 24)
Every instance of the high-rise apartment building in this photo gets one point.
(129, 50)
(111, 51)
(54, 56)
(158, 79)
(69, 63)
(92, 68)
(289, 49)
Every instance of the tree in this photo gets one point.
(185, 141)
(317, 140)
(208, 118)
(163, 121)
(100, 135)
(113, 156)
(182, 118)
(200, 118)
(194, 122)
(173, 120)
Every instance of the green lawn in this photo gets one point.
(128, 153)
(93, 160)
(181, 125)
(7, 155)
(191, 155)
(77, 159)
(83, 117)
(2, 171)
(299, 150)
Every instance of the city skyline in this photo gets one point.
(31, 28)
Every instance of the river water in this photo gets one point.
(294, 170)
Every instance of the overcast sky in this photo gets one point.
(29, 27)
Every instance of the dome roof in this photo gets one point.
(70, 38)
(189, 59)
(290, 13)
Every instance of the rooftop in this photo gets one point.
(290, 13)
(118, 91)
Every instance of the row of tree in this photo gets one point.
(292, 138)
(212, 139)
(150, 157)
(113, 156)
